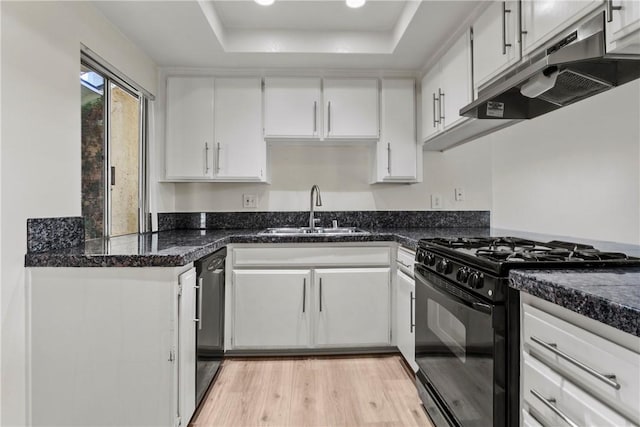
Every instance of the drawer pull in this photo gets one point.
(608, 379)
(550, 403)
(404, 265)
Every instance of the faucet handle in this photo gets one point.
(316, 221)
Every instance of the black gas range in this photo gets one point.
(467, 321)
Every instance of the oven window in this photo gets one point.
(447, 328)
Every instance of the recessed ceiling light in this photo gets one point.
(355, 3)
(264, 2)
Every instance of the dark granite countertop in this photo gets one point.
(179, 247)
(609, 296)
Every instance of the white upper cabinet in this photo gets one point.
(240, 148)
(446, 88)
(544, 19)
(292, 107)
(351, 108)
(455, 81)
(430, 103)
(189, 128)
(495, 41)
(623, 27)
(396, 152)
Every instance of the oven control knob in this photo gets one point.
(462, 275)
(430, 259)
(476, 280)
(444, 266)
(420, 256)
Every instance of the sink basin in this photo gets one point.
(289, 231)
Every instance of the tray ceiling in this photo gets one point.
(382, 34)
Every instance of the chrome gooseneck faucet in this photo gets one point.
(312, 220)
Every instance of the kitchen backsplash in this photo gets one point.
(47, 234)
(364, 219)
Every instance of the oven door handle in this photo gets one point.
(463, 299)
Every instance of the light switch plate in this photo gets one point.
(436, 201)
(249, 201)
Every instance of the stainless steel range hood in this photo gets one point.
(567, 71)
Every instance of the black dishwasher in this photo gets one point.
(210, 329)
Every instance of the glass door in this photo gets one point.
(124, 161)
(111, 155)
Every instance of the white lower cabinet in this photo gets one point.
(111, 346)
(405, 318)
(571, 372)
(553, 400)
(352, 307)
(309, 297)
(271, 308)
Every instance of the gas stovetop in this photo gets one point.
(480, 264)
(500, 254)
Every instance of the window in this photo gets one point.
(114, 145)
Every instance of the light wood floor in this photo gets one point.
(314, 391)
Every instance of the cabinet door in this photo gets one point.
(396, 151)
(351, 108)
(189, 128)
(352, 307)
(431, 103)
(623, 32)
(544, 19)
(405, 318)
(495, 41)
(239, 144)
(292, 107)
(455, 81)
(271, 308)
(186, 354)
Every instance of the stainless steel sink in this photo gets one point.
(289, 231)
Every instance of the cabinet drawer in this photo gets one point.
(528, 420)
(406, 259)
(316, 256)
(547, 337)
(544, 389)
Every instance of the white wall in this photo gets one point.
(574, 172)
(343, 173)
(40, 170)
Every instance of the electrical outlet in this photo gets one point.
(249, 201)
(459, 194)
(436, 201)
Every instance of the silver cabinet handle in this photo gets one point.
(435, 120)
(610, 9)
(441, 105)
(320, 294)
(389, 158)
(198, 318)
(304, 294)
(550, 403)
(403, 264)
(218, 159)
(412, 324)
(505, 45)
(315, 116)
(608, 379)
(206, 157)
(328, 117)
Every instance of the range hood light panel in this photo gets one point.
(539, 84)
